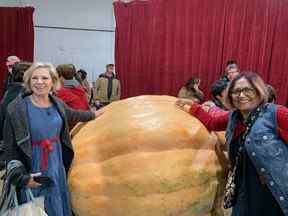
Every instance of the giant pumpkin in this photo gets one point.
(144, 157)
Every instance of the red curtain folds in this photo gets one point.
(16, 36)
(162, 43)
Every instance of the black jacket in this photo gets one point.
(13, 90)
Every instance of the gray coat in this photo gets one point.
(17, 138)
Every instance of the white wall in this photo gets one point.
(10, 3)
(89, 40)
(88, 50)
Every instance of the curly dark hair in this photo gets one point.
(191, 82)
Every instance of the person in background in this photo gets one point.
(191, 90)
(71, 91)
(11, 60)
(231, 71)
(15, 87)
(81, 76)
(36, 134)
(257, 138)
(218, 92)
(271, 94)
(107, 88)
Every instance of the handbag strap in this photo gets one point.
(29, 195)
(250, 121)
(12, 200)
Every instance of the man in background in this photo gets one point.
(14, 88)
(107, 88)
(10, 61)
(71, 91)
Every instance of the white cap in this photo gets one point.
(12, 60)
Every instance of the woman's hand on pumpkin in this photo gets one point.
(207, 105)
(99, 113)
(184, 104)
(181, 102)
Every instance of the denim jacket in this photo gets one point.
(267, 151)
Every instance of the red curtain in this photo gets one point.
(16, 36)
(160, 44)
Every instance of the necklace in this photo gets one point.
(43, 107)
(40, 103)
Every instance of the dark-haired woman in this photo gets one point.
(257, 137)
(191, 90)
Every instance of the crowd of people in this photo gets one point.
(42, 104)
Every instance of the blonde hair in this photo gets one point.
(52, 71)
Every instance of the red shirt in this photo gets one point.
(219, 122)
(74, 97)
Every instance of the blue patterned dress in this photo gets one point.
(46, 123)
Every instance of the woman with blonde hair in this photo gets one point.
(37, 135)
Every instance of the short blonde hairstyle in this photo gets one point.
(52, 71)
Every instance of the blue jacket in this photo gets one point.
(267, 151)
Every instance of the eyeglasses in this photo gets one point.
(247, 91)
